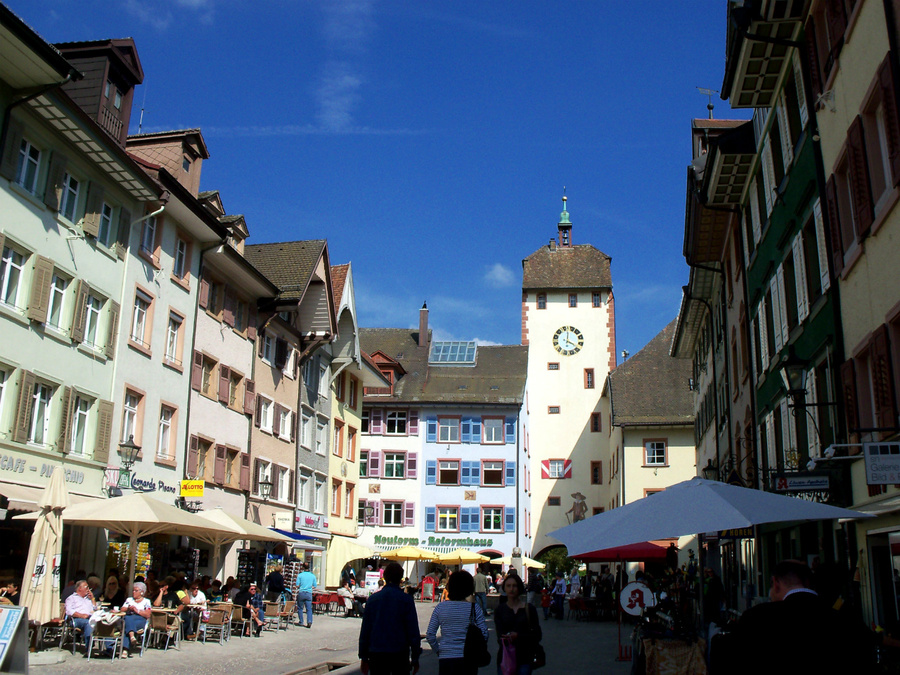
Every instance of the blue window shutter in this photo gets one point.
(476, 472)
(430, 516)
(510, 519)
(510, 473)
(464, 520)
(431, 430)
(430, 472)
(476, 430)
(510, 429)
(475, 518)
(465, 474)
(466, 434)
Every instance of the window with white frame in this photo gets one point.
(283, 484)
(58, 286)
(305, 430)
(164, 434)
(263, 474)
(395, 422)
(179, 264)
(11, 266)
(148, 235)
(28, 166)
(284, 424)
(492, 473)
(104, 231)
(39, 424)
(492, 519)
(448, 472)
(335, 497)
(266, 410)
(79, 425)
(448, 519)
(349, 499)
(366, 417)
(394, 465)
(205, 452)
(493, 430)
(323, 381)
(557, 468)
(320, 494)
(655, 453)
(139, 318)
(448, 429)
(288, 369)
(392, 514)
(303, 498)
(363, 463)
(69, 200)
(173, 331)
(321, 437)
(268, 349)
(130, 415)
(92, 308)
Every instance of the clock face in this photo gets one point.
(568, 340)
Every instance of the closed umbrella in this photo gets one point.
(691, 507)
(461, 556)
(246, 529)
(40, 587)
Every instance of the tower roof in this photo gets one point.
(581, 266)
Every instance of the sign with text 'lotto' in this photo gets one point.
(192, 488)
(882, 463)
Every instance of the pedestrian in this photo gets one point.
(546, 601)
(275, 584)
(575, 583)
(389, 635)
(797, 633)
(306, 582)
(535, 586)
(713, 597)
(481, 586)
(453, 618)
(517, 622)
(559, 594)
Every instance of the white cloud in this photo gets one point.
(499, 276)
(337, 96)
(148, 14)
(348, 23)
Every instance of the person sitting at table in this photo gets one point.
(351, 605)
(10, 593)
(257, 604)
(112, 593)
(95, 583)
(215, 591)
(79, 608)
(242, 599)
(137, 611)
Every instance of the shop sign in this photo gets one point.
(115, 476)
(801, 482)
(459, 542)
(283, 521)
(22, 465)
(192, 488)
(882, 463)
(737, 533)
(309, 521)
(381, 540)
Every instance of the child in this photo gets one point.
(545, 603)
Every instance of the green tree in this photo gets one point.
(557, 558)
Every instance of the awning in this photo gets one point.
(342, 550)
(291, 535)
(299, 540)
(25, 497)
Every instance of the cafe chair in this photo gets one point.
(106, 636)
(159, 628)
(216, 626)
(286, 613)
(240, 622)
(71, 634)
(271, 616)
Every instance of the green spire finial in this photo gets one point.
(564, 216)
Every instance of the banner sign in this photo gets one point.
(192, 488)
(882, 463)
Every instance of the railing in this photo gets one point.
(376, 391)
(110, 122)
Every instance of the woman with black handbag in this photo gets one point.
(456, 650)
(517, 623)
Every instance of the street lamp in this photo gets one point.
(710, 471)
(265, 489)
(128, 450)
(793, 375)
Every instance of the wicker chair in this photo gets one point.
(216, 625)
(271, 615)
(287, 613)
(105, 635)
(163, 625)
(240, 622)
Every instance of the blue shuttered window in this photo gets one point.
(430, 472)
(476, 472)
(476, 430)
(510, 429)
(475, 519)
(431, 429)
(464, 521)
(510, 473)
(430, 518)
(466, 433)
(465, 474)
(510, 520)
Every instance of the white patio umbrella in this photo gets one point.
(526, 561)
(139, 515)
(246, 529)
(40, 587)
(691, 507)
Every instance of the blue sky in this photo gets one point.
(429, 141)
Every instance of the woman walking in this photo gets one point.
(453, 618)
(517, 621)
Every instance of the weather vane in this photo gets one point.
(709, 94)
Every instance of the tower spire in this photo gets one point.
(565, 225)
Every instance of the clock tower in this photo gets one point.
(568, 323)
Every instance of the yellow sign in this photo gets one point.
(192, 488)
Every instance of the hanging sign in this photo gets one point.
(635, 597)
(882, 463)
(192, 488)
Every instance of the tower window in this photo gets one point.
(542, 301)
(573, 299)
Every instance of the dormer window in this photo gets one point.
(186, 164)
(118, 100)
(107, 89)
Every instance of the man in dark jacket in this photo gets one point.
(389, 636)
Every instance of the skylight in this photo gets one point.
(452, 352)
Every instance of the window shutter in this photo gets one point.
(23, 407)
(768, 176)
(510, 474)
(834, 226)
(430, 472)
(412, 463)
(812, 419)
(466, 431)
(124, 233)
(39, 300)
(431, 430)
(409, 514)
(771, 448)
(112, 329)
(413, 421)
(464, 520)
(743, 227)
(376, 417)
(754, 213)
(276, 418)
(476, 472)
(252, 318)
(800, 86)
(567, 468)
(787, 431)
(197, 371)
(883, 379)
(891, 118)
(476, 430)
(800, 278)
(859, 177)
(193, 458)
(91, 222)
(281, 353)
(510, 519)
(9, 161)
(229, 307)
(754, 330)
(67, 402)
(374, 464)
(776, 314)
(465, 473)
(292, 425)
(821, 246)
(81, 294)
(837, 24)
(203, 293)
(787, 146)
(55, 174)
(763, 335)
(812, 53)
(224, 378)
(782, 305)
(256, 465)
(848, 389)
(245, 471)
(430, 518)
(545, 468)
(250, 397)
(291, 487)
(510, 429)
(105, 410)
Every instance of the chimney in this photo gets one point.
(423, 325)
(552, 244)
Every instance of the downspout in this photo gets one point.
(8, 113)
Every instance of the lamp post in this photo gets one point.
(265, 489)
(710, 471)
(129, 451)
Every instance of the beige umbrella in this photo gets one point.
(527, 562)
(408, 553)
(40, 587)
(139, 515)
(461, 556)
(247, 530)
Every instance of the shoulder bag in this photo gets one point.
(476, 651)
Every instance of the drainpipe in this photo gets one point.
(8, 113)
